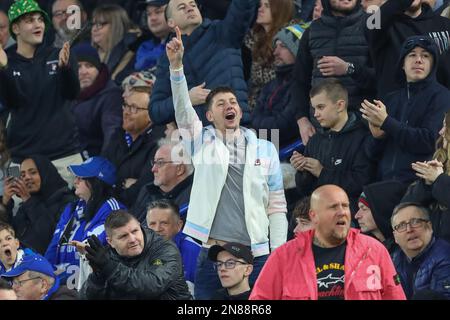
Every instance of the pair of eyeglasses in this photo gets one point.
(59, 14)
(229, 264)
(160, 163)
(414, 223)
(99, 25)
(132, 108)
(19, 283)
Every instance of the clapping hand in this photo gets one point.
(374, 113)
(64, 55)
(428, 170)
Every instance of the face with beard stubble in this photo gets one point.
(342, 6)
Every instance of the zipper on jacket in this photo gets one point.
(358, 265)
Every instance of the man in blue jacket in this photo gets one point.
(212, 57)
(37, 82)
(405, 125)
(423, 262)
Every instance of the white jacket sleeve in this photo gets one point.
(278, 227)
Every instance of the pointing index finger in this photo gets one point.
(178, 33)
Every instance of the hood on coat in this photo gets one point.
(410, 43)
(382, 197)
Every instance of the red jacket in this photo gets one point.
(290, 274)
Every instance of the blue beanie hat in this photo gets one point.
(87, 53)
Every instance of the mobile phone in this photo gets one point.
(14, 172)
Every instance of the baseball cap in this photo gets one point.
(155, 3)
(236, 249)
(95, 167)
(33, 262)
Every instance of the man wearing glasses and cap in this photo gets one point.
(423, 261)
(234, 264)
(34, 279)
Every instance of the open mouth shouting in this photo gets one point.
(230, 115)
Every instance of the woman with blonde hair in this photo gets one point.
(433, 188)
(273, 15)
(112, 34)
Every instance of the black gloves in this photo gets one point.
(96, 254)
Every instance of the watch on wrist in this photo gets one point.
(350, 68)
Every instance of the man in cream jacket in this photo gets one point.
(237, 193)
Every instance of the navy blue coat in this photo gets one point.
(415, 115)
(98, 114)
(212, 54)
(430, 270)
(274, 109)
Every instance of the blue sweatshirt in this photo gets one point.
(65, 257)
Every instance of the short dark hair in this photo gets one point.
(5, 285)
(423, 210)
(165, 204)
(215, 91)
(333, 88)
(117, 219)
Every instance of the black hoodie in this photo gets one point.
(385, 43)
(36, 219)
(343, 160)
(37, 93)
(382, 198)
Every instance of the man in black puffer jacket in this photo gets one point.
(138, 265)
(333, 46)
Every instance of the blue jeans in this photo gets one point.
(207, 281)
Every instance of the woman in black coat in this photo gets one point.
(433, 189)
(44, 194)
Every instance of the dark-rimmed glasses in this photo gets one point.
(99, 25)
(132, 108)
(229, 264)
(414, 223)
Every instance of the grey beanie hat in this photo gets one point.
(291, 36)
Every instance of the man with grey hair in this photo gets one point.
(172, 173)
(34, 279)
(66, 30)
(423, 261)
(163, 217)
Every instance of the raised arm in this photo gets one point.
(189, 124)
(238, 20)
